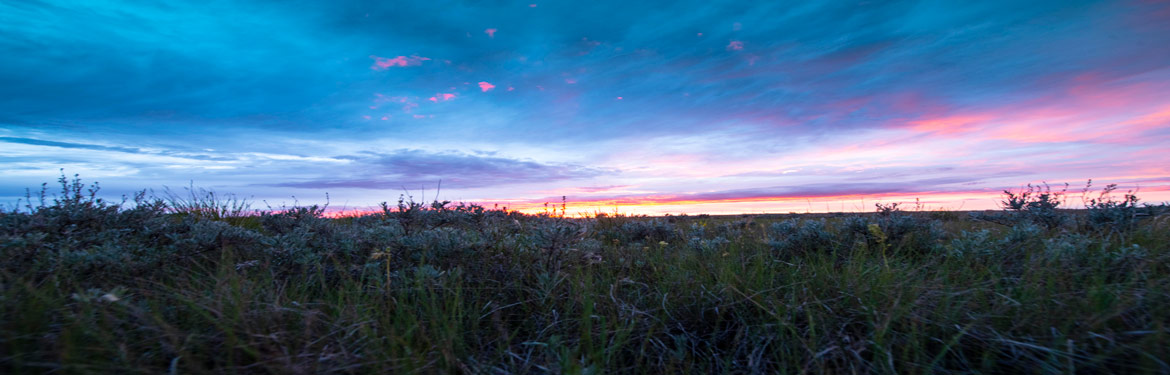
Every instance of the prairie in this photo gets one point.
(203, 284)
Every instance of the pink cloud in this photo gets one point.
(1093, 109)
(383, 63)
(441, 97)
(949, 124)
(735, 45)
(1160, 119)
(570, 81)
(490, 32)
(486, 86)
(782, 202)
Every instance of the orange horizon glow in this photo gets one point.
(974, 200)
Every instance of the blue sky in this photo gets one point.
(682, 106)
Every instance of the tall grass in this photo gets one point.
(207, 204)
(159, 287)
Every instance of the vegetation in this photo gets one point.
(200, 283)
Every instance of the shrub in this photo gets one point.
(644, 231)
(795, 237)
(1104, 213)
(974, 243)
(1037, 203)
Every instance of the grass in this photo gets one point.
(144, 287)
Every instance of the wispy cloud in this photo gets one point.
(39, 142)
(773, 197)
(131, 150)
(407, 167)
(383, 63)
(442, 97)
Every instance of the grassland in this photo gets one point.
(203, 285)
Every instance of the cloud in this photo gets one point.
(407, 167)
(837, 191)
(38, 142)
(383, 63)
(442, 97)
(121, 149)
(948, 125)
(490, 32)
(598, 189)
(735, 45)
(486, 86)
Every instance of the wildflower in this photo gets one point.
(663, 243)
(877, 232)
(379, 255)
(878, 235)
(110, 297)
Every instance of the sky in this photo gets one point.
(618, 106)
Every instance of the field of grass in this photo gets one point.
(203, 285)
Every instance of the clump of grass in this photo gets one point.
(93, 286)
(207, 204)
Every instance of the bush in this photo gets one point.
(1106, 214)
(795, 237)
(1038, 204)
(643, 231)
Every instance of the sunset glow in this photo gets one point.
(616, 106)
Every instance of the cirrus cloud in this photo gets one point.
(410, 167)
(383, 63)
